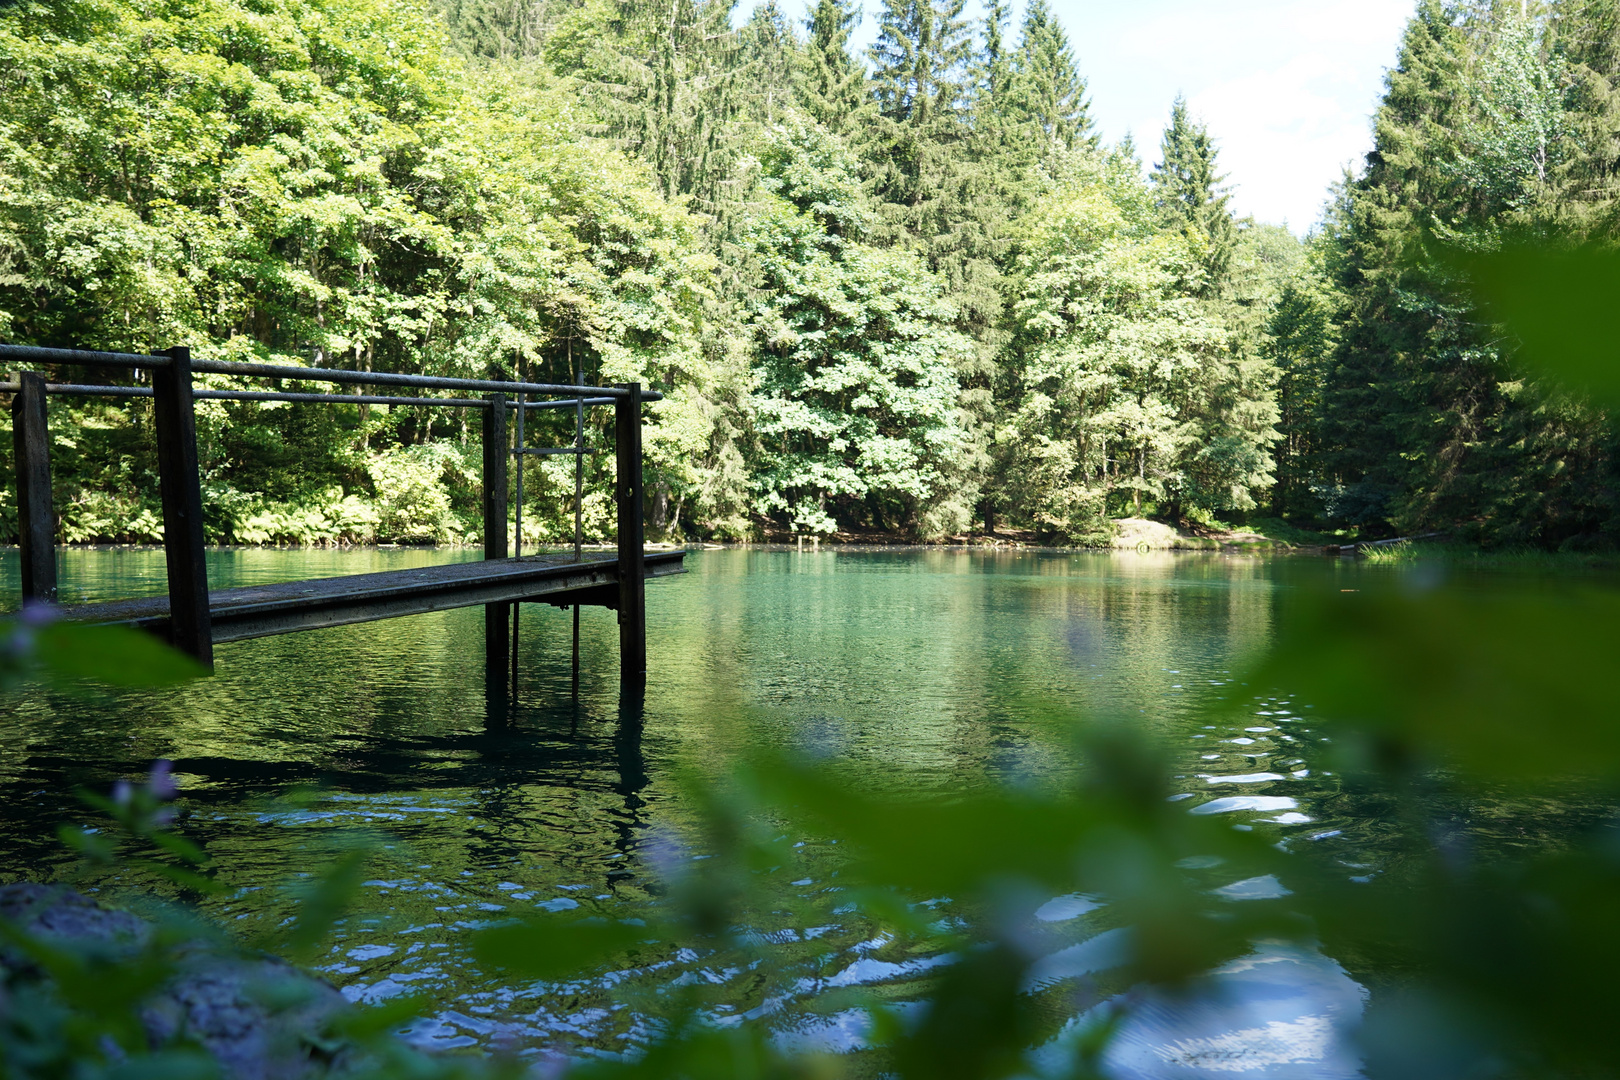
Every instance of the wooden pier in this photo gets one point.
(193, 618)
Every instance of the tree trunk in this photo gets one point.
(658, 517)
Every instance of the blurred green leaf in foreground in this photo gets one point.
(1562, 305)
(35, 641)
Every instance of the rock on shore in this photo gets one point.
(260, 1018)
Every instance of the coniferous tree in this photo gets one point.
(497, 29)
(994, 70)
(1047, 89)
(1583, 37)
(919, 81)
(1298, 341)
(832, 86)
(920, 61)
(934, 171)
(1189, 188)
(1425, 422)
(1090, 343)
(1376, 410)
(668, 81)
(769, 58)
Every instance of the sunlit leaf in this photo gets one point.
(181, 876)
(379, 1019)
(1563, 306)
(1511, 684)
(179, 845)
(167, 1065)
(115, 655)
(555, 948)
(334, 889)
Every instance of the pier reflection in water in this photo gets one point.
(939, 669)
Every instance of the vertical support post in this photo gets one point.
(579, 471)
(520, 459)
(36, 520)
(497, 626)
(576, 654)
(180, 482)
(632, 586)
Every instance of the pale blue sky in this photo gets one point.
(1287, 87)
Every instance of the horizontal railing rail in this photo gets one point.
(94, 390)
(35, 355)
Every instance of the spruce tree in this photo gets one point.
(1297, 340)
(994, 68)
(1583, 36)
(1047, 90)
(497, 29)
(1426, 423)
(1379, 408)
(920, 61)
(770, 59)
(1188, 186)
(669, 81)
(928, 163)
(832, 86)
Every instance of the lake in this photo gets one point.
(938, 668)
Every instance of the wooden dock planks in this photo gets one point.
(264, 610)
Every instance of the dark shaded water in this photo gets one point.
(948, 669)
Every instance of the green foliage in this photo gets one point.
(1479, 695)
(376, 209)
(1491, 129)
(414, 502)
(1047, 90)
(856, 391)
(582, 190)
(331, 519)
(1128, 387)
(81, 1006)
(1298, 340)
(1189, 192)
(1518, 132)
(36, 641)
(832, 87)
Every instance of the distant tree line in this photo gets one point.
(910, 291)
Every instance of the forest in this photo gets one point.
(908, 292)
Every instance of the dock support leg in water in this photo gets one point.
(180, 485)
(517, 615)
(497, 635)
(36, 519)
(632, 538)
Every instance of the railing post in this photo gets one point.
(180, 483)
(36, 519)
(497, 622)
(632, 585)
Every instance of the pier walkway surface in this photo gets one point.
(264, 610)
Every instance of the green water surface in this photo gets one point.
(947, 669)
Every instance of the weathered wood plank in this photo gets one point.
(36, 519)
(180, 486)
(632, 539)
(497, 618)
(264, 610)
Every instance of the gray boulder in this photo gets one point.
(259, 1017)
